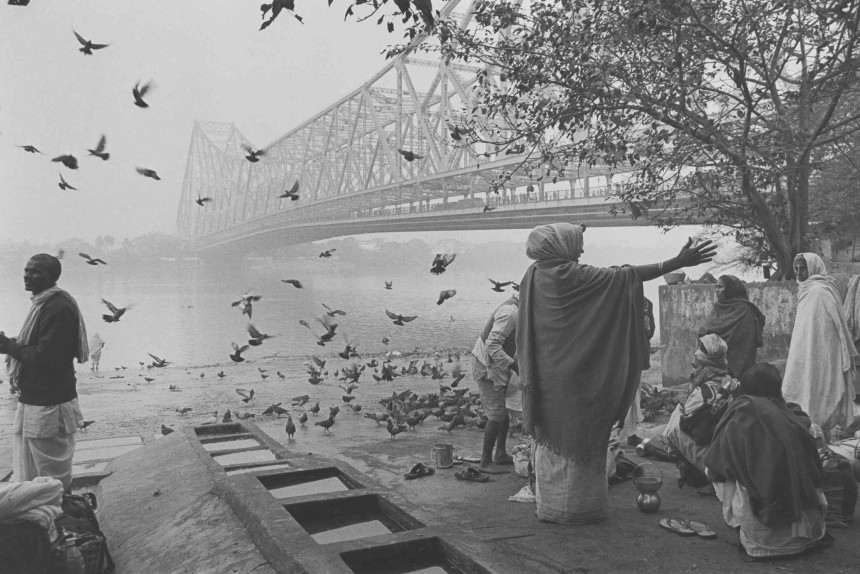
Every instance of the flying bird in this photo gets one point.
(88, 46)
(498, 285)
(30, 148)
(488, 208)
(304, 323)
(409, 156)
(91, 260)
(253, 155)
(400, 319)
(246, 395)
(332, 312)
(145, 172)
(515, 286)
(201, 201)
(245, 304)
(100, 152)
(257, 337)
(389, 284)
(158, 362)
(294, 282)
(237, 355)
(292, 193)
(327, 252)
(67, 160)
(116, 313)
(138, 92)
(64, 185)
(446, 294)
(457, 132)
(441, 262)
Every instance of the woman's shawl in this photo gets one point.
(739, 322)
(819, 369)
(581, 342)
(762, 445)
(851, 308)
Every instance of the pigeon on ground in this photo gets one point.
(290, 427)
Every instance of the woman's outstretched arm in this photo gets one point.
(690, 256)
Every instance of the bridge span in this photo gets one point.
(385, 157)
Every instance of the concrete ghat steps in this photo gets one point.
(171, 507)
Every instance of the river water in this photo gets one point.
(181, 310)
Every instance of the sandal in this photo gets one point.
(677, 526)
(471, 474)
(418, 471)
(701, 529)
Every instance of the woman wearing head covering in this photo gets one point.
(766, 470)
(819, 373)
(738, 322)
(691, 426)
(96, 346)
(581, 348)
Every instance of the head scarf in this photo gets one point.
(818, 277)
(555, 241)
(711, 355)
(733, 288)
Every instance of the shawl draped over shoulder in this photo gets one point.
(739, 322)
(761, 444)
(819, 371)
(581, 344)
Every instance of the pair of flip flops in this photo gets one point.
(418, 471)
(471, 474)
(688, 528)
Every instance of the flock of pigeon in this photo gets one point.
(69, 160)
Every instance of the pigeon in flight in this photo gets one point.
(237, 355)
(389, 284)
(457, 132)
(441, 262)
(257, 337)
(88, 46)
(65, 184)
(498, 286)
(294, 282)
(332, 312)
(246, 395)
(100, 152)
(92, 260)
(138, 92)
(488, 208)
(158, 362)
(304, 323)
(327, 252)
(445, 294)
(67, 160)
(245, 304)
(400, 319)
(409, 155)
(201, 201)
(145, 172)
(116, 313)
(292, 193)
(30, 148)
(253, 155)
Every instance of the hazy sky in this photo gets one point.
(208, 61)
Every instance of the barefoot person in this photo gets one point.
(581, 349)
(52, 337)
(493, 361)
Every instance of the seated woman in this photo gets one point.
(766, 470)
(738, 322)
(691, 426)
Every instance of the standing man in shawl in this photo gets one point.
(493, 361)
(52, 337)
(581, 349)
(819, 373)
(738, 322)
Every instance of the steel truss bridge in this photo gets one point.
(352, 178)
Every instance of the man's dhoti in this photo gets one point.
(44, 441)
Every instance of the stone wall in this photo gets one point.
(684, 308)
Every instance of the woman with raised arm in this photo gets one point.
(581, 348)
